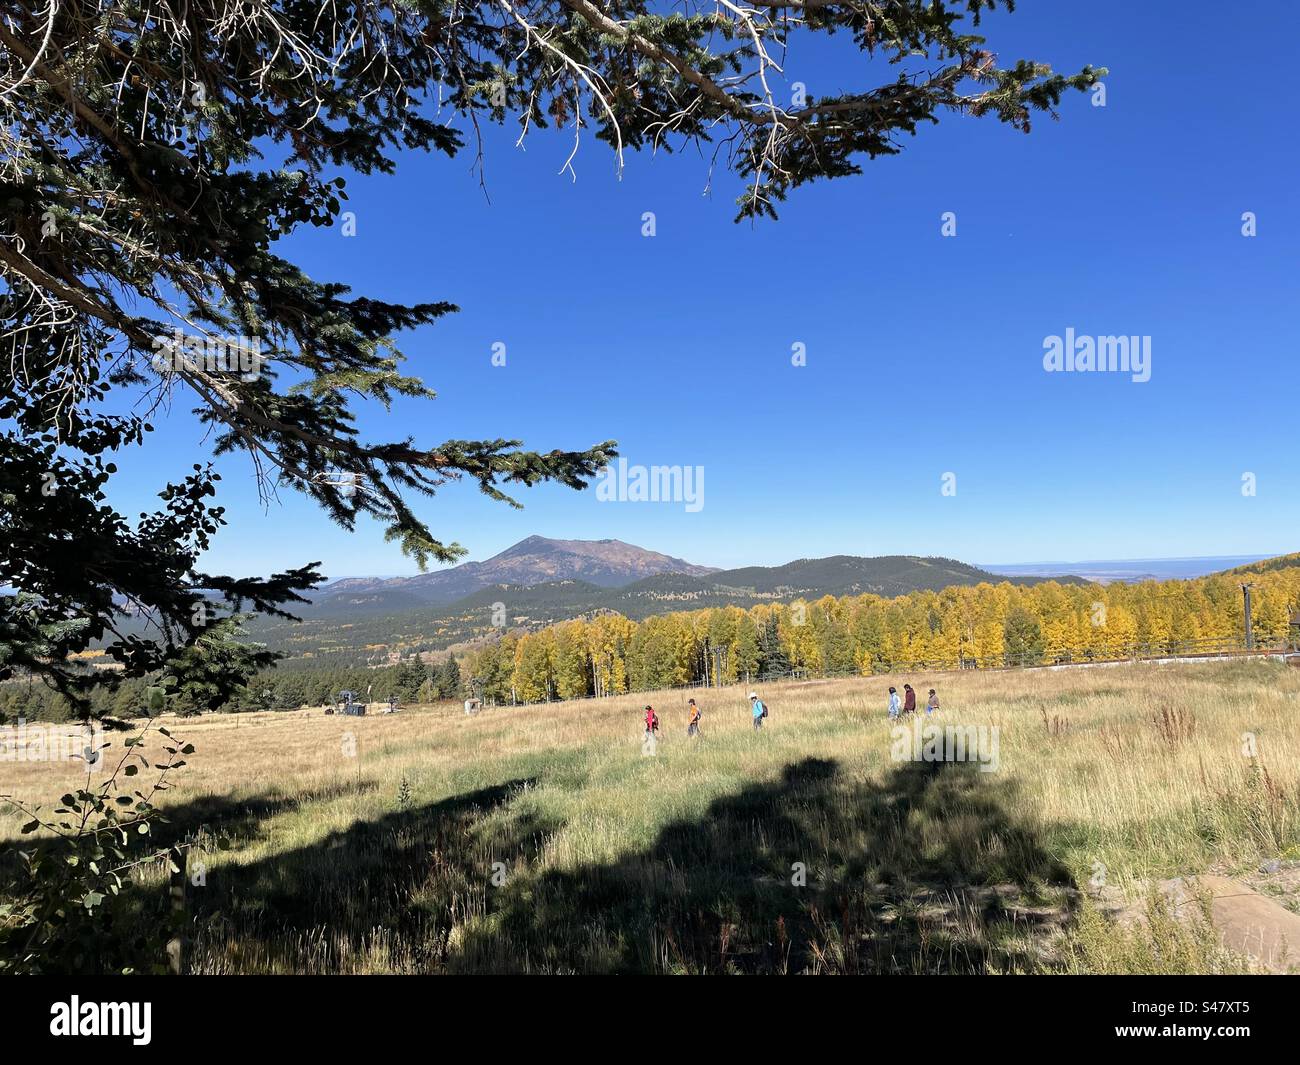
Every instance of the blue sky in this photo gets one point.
(924, 353)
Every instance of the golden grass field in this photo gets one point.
(545, 839)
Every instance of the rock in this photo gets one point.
(1246, 921)
(1249, 923)
(1271, 866)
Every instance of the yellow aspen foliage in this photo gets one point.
(1049, 622)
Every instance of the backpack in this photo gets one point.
(764, 713)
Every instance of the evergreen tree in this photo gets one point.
(213, 669)
(410, 676)
(1022, 638)
(772, 658)
(449, 678)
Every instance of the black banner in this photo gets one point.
(140, 1016)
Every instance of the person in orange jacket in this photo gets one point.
(693, 726)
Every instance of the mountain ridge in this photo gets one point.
(558, 585)
(361, 616)
(533, 560)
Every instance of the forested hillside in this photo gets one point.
(367, 623)
(989, 625)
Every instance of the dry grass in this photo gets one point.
(605, 859)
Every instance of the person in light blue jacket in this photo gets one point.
(758, 709)
(895, 705)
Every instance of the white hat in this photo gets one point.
(753, 695)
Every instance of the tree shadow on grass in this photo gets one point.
(240, 819)
(381, 894)
(131, 925)
(930, 869)
(927, 871)
(182, 823)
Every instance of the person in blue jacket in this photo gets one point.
(757, 709)
(895, 704)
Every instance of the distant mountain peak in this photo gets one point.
(533, 560)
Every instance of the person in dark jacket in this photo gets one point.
(909, 699)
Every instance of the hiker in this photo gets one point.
(693, 726)
(894, 704)
(758, 709)
(932, 704)
(909, 699)
(651, 721)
